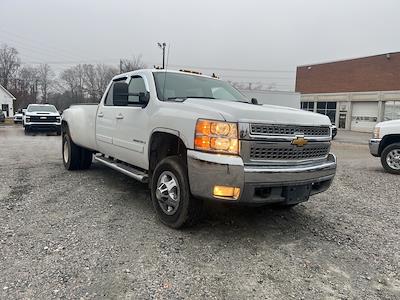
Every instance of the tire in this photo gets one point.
(74, 156)
(172, 172)
(58, 131)
(27, 129)
(71, 153)
(390, 158)
(86, 159)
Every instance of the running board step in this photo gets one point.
(123, 168)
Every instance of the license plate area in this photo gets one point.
(297, 193)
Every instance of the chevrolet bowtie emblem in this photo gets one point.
(299, 141)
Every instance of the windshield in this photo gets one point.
(181, 86)
(46, 108)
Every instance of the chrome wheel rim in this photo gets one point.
(393, 159)
(168, 192)
(65, 151)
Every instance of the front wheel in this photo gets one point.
(390, 158)
(170, 194)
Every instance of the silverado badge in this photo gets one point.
(299, 141)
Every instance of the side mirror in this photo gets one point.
(144, 97)
(254, 101)
(120, 94)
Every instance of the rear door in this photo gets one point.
(132, 126)
(106, 123)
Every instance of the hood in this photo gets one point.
(389, 123)
(42, 113)
(250, 113)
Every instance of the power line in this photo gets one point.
(65, 62)
(35, 42)
(31, 50)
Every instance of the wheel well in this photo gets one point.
(388, 140)
(162, 145)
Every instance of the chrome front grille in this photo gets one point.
(289, 130)
(287, 151)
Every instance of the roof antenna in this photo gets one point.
(165, 72)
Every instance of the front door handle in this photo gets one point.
(119, 117)
(100, 115)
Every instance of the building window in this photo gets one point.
(309, 106)
(328, 109)
(392, 110)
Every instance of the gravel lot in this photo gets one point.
(93, 234)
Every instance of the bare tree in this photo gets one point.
(73, 78)
(127, 65)
(27, 88)
(9, 64)
(104, 75)
(45, 80)
(89, 81)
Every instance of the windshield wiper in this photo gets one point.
(201, 97)
(184, 98)
(176, 98)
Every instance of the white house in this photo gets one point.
(6, 102)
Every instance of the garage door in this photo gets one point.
(364, 116)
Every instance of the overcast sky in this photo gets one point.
(229, 34)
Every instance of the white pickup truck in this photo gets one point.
(385, 143)
(196, 138)
(42, 117)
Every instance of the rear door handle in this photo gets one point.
(100, 115)
(119, 117)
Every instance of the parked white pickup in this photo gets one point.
(42, 117)
(385, 143)
(195, 138)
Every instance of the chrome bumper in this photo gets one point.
(258, 184)
(374, 146)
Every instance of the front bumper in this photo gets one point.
(43, 125)
(374, 146)
(258, 184)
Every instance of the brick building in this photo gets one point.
(355, 93)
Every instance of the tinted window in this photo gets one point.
(331, 105)
(180, 85)
(46, 108)
(136, 86)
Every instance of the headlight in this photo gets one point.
(376, 132)
(27, 119)
(216, 136)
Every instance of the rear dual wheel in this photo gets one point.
(74, 156)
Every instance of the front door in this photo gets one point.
(4, 107)
(131, 128)
(342, 120)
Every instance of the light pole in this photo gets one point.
(162, 46)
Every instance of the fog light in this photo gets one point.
(226, 192)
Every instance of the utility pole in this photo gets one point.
(120, 65)
(162, 46)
